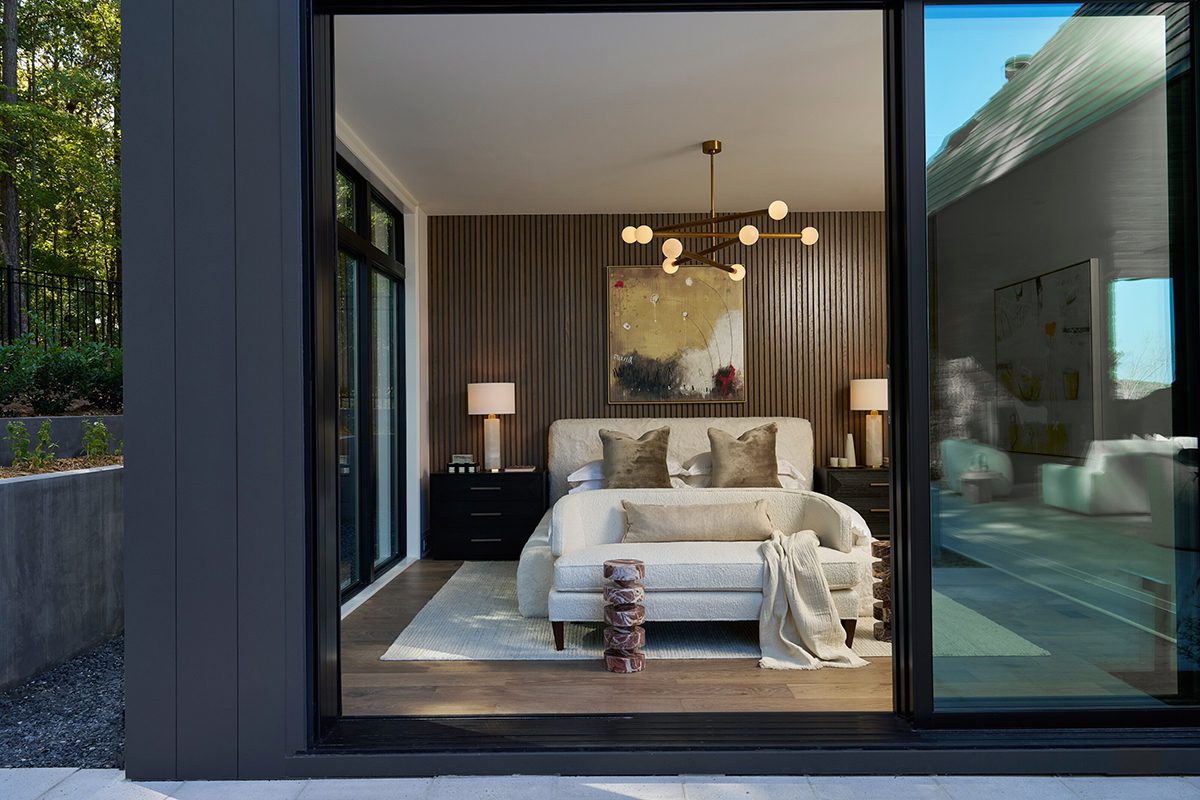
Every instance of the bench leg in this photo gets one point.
(559, 635)
(849, 625)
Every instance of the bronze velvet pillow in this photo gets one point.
(727, 522)
(747, 461)
(636, 463)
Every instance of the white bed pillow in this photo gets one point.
(698, 473)
(594, 471)
(591, 486)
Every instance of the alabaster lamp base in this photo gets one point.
(491, 442)
(873, 451)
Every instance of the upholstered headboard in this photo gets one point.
(575, 442)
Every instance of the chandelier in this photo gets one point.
(676, 255)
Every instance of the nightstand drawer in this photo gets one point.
(479, 543)
(488, 487)
(487, 514)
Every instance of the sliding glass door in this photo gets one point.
(369, 347)
(385, 410)
(349, 468)
(1062, 294)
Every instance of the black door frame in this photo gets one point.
(1064, 741)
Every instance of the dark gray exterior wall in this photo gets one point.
(215, 390)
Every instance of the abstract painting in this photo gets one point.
(675, 338)
(1045, 362)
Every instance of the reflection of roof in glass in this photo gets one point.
(1095, 64)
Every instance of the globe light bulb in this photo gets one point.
(738, 273)
(809, 235)
(670, 267)
(629, 234)
(672, 248)
(644, 234)
(748, 235)
(777, 210)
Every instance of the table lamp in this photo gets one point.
(871, 394)
(491, 399)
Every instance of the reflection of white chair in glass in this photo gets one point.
(1113, 478)
(961, 456)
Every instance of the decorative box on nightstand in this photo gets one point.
(866, 490)
(485, 515)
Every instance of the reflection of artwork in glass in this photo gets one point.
(675, 338)
(1045, 362)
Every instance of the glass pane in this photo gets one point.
(1065, 567)
(348, 420)
(385, 393)
(345, 201)
(383, 228)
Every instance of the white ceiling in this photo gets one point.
(593, 113)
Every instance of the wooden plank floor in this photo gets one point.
(374, 687)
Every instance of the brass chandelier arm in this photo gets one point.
(668, 234)
(690, 256)
(714, 220)
(682, 260)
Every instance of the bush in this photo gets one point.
(56, 378)
(95, 438)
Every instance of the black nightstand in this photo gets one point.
(867, 490)
(484, 515)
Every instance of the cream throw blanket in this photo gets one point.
(798, 627)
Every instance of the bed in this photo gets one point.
(557, 575)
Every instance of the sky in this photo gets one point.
(965, 51)
(1142, 322)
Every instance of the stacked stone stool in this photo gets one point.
(882, 589)
(624, 637)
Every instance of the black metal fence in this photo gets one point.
(46, 305)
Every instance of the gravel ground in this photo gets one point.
(72, 715)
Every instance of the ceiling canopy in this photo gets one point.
(604, 113)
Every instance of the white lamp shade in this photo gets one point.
(491, 398)
(869, 394)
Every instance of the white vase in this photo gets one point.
(850, 462)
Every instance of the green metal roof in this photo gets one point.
(1098, 62)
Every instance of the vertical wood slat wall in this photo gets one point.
(524, 299)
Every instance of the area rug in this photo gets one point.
(474, 617)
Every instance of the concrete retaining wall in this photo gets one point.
(61, 577)
(67, 432)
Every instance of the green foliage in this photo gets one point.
(43, 451)
(18, 441)
(95, 438)
(54, 378)
(65, 126)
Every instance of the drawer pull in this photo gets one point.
(486, 513)
(485, 488)
(880, 485)
(484, 541)
(880, 510)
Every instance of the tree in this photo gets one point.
(11, 236)
(60, 176)
(63, 115)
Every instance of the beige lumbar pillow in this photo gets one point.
(747, 461)
(636, 463)
(727, 522)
